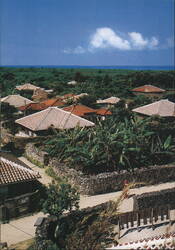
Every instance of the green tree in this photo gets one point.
(87, 100)
(60, 198)
(7, 111)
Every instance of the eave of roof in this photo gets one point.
(14, 172)
(162, 108)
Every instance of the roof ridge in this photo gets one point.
(69, 115)
(48, 111)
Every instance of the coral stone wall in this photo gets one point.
(33, 152)
(155, 199)
(108, 181)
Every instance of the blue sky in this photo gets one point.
(81, 32)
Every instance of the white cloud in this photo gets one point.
(138, 42)
(67, 51)
(153, 42)
(77, 50)
(105, 37)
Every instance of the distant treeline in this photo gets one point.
(99, 83)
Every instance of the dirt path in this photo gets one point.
(45, 179)
(19, 229)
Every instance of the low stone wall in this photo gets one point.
(107, 182)
(155, 199)
(104, 182)
(42, 235)
(33, 152)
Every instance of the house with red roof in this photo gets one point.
(33, 107)
(87, 112)
(54, 102)
(80, 110)
(148, 90)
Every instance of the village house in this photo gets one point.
(80, 95)
(72, 97)
(108, 102)
(16, 100)
(80, 110)
(18, 183)
(72, 83)
(33, 107)
(149, 91)
(39, 94)
(162, 108)
(27, 86)
(86, 112)
(54, 102)
(52, 117)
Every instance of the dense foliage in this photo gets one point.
(112, 145)
(59, 199)
(120, 142)
(97, 83)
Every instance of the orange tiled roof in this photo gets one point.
(13, 172)
(103, 112)
(33, 106)
(79, 110)
(82, 110)
(148, 89)
(53, 102)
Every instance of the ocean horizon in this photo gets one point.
(127, 67)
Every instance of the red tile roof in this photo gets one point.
(33, 106)
(53, 102)
(43, 105)
(82, 110)
(13, 172)
(148, 89)
(103, 111)
(79, 110)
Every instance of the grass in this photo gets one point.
(50, 172)
(35, 162)
(24, 245)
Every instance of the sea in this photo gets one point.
(141, 68)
